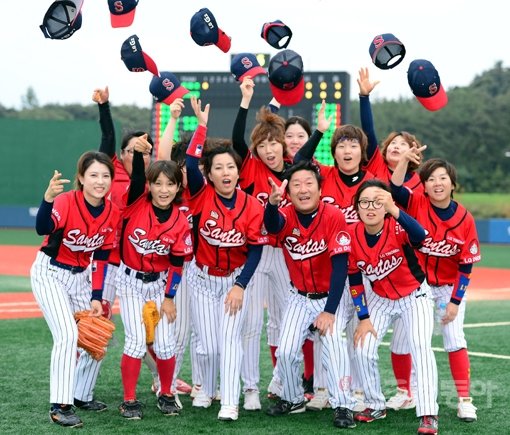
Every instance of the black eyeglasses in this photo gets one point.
(365, 203)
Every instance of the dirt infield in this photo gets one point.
(486, 283)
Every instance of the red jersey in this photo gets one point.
(380, 169)
(222, 234)
(118, 195)
(391, 265)
(77, 233)
(448, 243)
(307, 251)
(147, 243)
(336, 192)
(253, 180)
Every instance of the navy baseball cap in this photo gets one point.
(122, 12)
(426, 85)
(135, 59)
(286, 77)
(276, 34)
(205, 31)
(245, 64)
(61, 20)
(166, 88)
(386, 51)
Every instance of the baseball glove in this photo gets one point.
(150, 316)
(94, 333)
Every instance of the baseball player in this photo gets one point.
(382, 162)
(177, 152)
(270, 282)
(315, 243)
(340, 183)
(383, 245)
(77, 225)
(154, 241)
(228, 239)
(449, 252)
(123, 167)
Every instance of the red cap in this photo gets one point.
(289, 97)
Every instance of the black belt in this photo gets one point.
(309, 295)
(143, 276)
(72, 269)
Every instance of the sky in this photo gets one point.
(462, 38)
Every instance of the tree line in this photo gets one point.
(472, 131)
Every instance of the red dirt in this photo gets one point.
(486, 283)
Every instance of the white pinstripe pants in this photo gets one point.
(60, 294)
(415, 311)
(133, 294)
(219, 334)
(300, 313)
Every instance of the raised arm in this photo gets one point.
(307, 151)
(138, 179)
(239, 128)
(367, 122)
(195, 148)
(101, 97)
(43, 222)
(166, 141)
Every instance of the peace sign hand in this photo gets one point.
(277, 192)
(55, 187)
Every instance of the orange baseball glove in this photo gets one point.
(150, 316)
(94, 333)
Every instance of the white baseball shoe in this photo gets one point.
(228, 413)
(466, 411)
(319, 401)
(252, 400)
(201, 400)
(359, 397)
(195, 390)
(401, 400)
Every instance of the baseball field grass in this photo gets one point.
(24, 368)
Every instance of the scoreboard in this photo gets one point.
(222, 92)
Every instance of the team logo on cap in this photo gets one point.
(378, 41)
(433, 88)
(168, 84)
(119, 7)
(247, 63)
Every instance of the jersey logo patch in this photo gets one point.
(296, 232)
(214, 215)
(343, 238)
(473, 249)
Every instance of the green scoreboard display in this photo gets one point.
(222, 92)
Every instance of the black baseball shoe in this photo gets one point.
(131, 410)
(167, 405)
(65, 417)
(343, 418)
(282, 407)
(91, 405)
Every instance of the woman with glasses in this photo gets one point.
(384, 245)
(449, 252)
